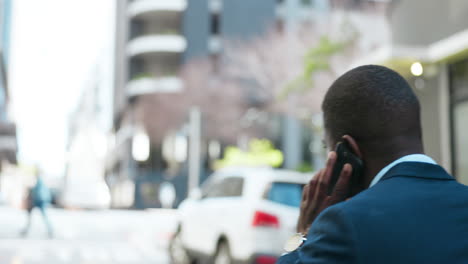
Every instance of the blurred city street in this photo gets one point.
(145, 117)
(108, 236)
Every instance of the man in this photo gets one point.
(409, 210)
(39, 196)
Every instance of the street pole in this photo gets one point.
(194, 149)
(292, 138)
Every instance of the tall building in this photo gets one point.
(8, 143)
(154, 39)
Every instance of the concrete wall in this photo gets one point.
(459, 111)
(419, 22)
(246, 18)
(435, 115)
(430, 117)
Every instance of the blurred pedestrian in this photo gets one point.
(38, 197)
(394, 206)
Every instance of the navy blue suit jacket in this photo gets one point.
(417, 213)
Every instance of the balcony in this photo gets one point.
(156, 44)
(139, 8)
(150, 85)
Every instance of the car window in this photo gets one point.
(285, 193)
(207, 186)
(226, 187)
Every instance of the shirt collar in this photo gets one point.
(407, 158)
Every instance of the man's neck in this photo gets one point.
(373, 167)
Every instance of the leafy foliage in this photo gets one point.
(316, 59)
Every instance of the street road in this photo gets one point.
(87, 237)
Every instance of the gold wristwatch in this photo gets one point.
(294, 242)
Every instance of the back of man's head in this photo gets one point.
(374, 105)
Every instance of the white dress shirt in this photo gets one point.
(410, 158)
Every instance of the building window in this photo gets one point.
(136, 68)
(227, 187)
(136, 28)
(285, 193)
(459, 104)
(215, 24)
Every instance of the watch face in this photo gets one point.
(293, 242)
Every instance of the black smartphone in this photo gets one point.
(345, 155)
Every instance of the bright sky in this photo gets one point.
(55, 46)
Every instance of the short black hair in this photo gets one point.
(371, 103)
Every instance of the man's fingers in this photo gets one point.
(342, 186)
(314, 184)
(329, 168)
(305, 193)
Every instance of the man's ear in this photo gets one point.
(354, 146)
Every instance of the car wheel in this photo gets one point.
(223, 255)
(177, 252)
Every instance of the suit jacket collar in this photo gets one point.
(418, 170)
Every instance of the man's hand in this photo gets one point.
(314, 196)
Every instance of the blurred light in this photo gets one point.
(417, 69)
(215, 5)
(214, 149)
(180, 148)
(167, 194)
(167, 148)
(175, 147)
(140, 146)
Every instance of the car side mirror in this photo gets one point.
(195, 194)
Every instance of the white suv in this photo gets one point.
(240, 215)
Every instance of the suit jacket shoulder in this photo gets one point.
(416, 214)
